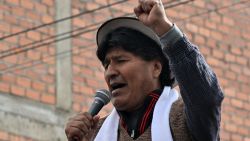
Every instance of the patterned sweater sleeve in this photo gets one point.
(198, 85)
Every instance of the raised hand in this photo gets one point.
(152, 14)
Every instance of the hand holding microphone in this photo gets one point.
(81, 125)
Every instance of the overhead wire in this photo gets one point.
(61, 20)
(175, 3)
(22, 48)
(12, 51)
(209, 12)
(27, 47)
(9, 68)
(213, 10)
(46, 58)
(195, 15)
(44, 44)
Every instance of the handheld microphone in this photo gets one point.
(102, 98)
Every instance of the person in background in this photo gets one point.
(144, 58)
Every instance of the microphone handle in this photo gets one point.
(95, 107)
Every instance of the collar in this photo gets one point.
(138, 121)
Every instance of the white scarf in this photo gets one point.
(160, 130)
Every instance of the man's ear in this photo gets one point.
(157, 69)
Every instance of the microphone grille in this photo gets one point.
(103, 95)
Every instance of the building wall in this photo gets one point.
(49, 73)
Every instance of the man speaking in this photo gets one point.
(144, 59)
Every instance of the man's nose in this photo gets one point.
(111, 71)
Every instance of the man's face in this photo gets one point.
(130, 78)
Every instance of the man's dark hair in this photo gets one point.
(138, 44)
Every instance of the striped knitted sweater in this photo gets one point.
(177, 123)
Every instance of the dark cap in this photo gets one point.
(127, 22)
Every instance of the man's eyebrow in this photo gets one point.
(115, 57)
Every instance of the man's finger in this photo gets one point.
(73, 132)
(95, 121)
(147, 5)
(138, 10)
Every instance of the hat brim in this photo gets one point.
(127, 22)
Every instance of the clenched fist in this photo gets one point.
(152, 14)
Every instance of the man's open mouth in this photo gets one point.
(116, 86)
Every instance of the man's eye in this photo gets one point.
(121, 60)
